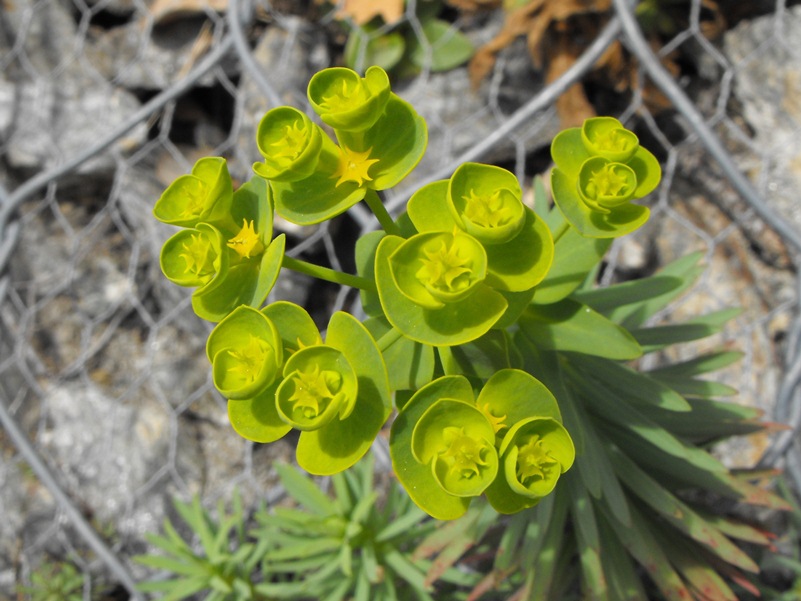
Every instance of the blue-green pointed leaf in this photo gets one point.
(571, 326)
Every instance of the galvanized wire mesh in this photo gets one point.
(105, 399)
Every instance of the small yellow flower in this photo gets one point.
(496, 421)
(353, 166)
(247, 242)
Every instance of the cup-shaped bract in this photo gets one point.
(250, 262)
(487, 202)
(290, 143)
(346, 101)
(463, 310)
(604, 185)
(456, 440)
(257, 418)
(319, 384)
(535, 452)
(606, 137)
(600, 169)
(436, 268)
(246, 353)
(203, 196)
(194, 257)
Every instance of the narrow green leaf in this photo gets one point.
(695, 387)
(640, 542)
(686, 268)
(699, 365)
(624, 583)
(587, 538)
(574, 257)
(657, 337)
(677, 513)
(571, 326)
(629, 385)
(304, 491)
(609, 300)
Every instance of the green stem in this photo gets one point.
(388, 339)
(380, 211)
(560, 229)
(329, 275)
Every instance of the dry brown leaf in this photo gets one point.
(165, 11)
(514, 26)
(573, 106)
(364, 11)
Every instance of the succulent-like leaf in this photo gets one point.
(445, 47)
(290, 144)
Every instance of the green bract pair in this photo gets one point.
(278, 374)
(600, 169)
(381, 138)
(225, 250)
(449, 446)
(473, 263)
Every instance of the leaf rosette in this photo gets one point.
(203, 196)
(246, 353)
(346, 101)
(600, 169)
(290, 144)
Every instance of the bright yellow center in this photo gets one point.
(614, 140)
(199, 255)
(445, 269)
(353, 166)
(344, 99)
(247, 242)
(608, 182)
(464, 455)
(314, 389)
(249, 359)
(292, 143)
(533, 461)
(486, 211)
(497, 422)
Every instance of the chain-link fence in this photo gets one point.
(105, 398)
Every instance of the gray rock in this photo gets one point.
(141, 56)
(765, 53)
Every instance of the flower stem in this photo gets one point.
(388, 339)
(380, 211)
(327, 274)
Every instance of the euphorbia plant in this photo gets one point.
(484, 336)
